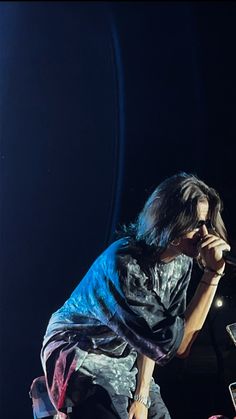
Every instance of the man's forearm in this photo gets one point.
(197, 311)
(144, 376)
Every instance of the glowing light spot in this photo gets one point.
(219, 302)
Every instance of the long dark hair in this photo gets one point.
(171, 211)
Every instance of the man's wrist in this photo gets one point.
(214, 272)
(211, 275)
(146, 401)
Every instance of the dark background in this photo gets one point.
(99, 102)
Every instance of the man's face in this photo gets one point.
(189, 242)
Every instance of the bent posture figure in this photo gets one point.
(129, 311)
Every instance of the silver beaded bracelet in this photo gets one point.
(144, 400)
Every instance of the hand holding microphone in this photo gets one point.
(212, 250)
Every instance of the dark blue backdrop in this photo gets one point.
(99, 102)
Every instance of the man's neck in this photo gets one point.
(169, 254)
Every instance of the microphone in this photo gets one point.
(229, 258)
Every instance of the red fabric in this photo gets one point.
(60, 362)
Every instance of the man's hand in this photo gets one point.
(138, 411)
(211, 249)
